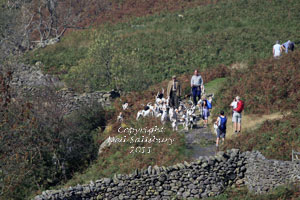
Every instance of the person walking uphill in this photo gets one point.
(277, 50)
(205, 112)
(221, 123)
(287, 46)
(197, 86)
(174, 92)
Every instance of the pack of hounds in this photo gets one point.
(185, 115)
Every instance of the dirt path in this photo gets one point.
(200, 141)
(250, 122)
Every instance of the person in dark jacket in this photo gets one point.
(174, 92)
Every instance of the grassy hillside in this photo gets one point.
(269, 86)
(118, 159)
(147, 50)
(275, 139)
(141, 54)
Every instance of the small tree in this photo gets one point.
(108, 66)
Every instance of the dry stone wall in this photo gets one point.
(71, 101)
(206, 176)
(263, 175)
(30, 80)
(29, 77)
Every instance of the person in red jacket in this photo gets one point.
(237, 114)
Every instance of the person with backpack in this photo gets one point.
(287, 46)
(237, 114)
(221, 131)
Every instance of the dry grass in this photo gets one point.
(239, 66)
(249, 122)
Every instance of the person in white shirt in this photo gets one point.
(233, 104)
(236, 117)
(197, 86)
(277, 50)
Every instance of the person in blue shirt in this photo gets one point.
(221, 131)
(205, 112)
(288, 45)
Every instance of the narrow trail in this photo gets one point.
(200, 140)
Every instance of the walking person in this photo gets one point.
(205, 113)
(287, 46)
(174, 92)
(221, 131)
(277, 50)
(197, 86)
(237, 114)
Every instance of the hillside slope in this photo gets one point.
(141, 54)
(267, 87)
(147, 50)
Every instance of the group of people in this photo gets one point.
(174, 89)
(237, 106)
(279, 48)
(197, 87)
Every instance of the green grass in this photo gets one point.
(161, 45)
(58, 59)
(215, 85)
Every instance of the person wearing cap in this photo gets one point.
(174, 92)
(277, 50)
(197, 86)
(236, 117)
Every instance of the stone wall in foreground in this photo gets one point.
(263, 175)
(207, 176)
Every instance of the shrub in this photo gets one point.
(108, 66)
(39, 146)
